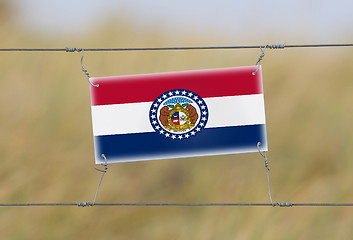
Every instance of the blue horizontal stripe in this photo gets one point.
(150, 146)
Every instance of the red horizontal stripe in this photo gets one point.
(147, 87)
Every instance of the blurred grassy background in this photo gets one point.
(47, 145)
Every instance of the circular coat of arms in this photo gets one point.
(178, 114)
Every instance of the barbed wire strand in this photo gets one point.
(271, 46)
(87, 204)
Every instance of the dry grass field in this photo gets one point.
(46, 146)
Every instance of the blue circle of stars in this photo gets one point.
(173, 93)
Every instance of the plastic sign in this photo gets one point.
(177, 115)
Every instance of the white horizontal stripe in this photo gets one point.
(236, 110)
(121, 118)
(134, 117)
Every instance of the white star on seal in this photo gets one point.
(164, 96)
(153, 110)
(202, 124)
(190, 94)
(154, 122)
(204, 112)
(161, 131)
(170, 93)
(155, 105)
(180, 137)
(193, 133)
(158, 127)
(187, 136)
(159, 100)
(174, 137)
(177, 92)
(153, 116)
(203, 119)
(167, 134)
(183, 92)
(203, 107)
(195, 98)
(198, 129)
(199, 101)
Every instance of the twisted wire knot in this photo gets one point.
(68, 49)
(267, 164)
(85, 72)
(273, 46)
(84, 204)
(276, 46)
(283, 204)
(261, 56)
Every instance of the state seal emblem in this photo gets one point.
(178, 114)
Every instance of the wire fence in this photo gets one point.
(89, 204)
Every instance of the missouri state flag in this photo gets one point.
(178, 114)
